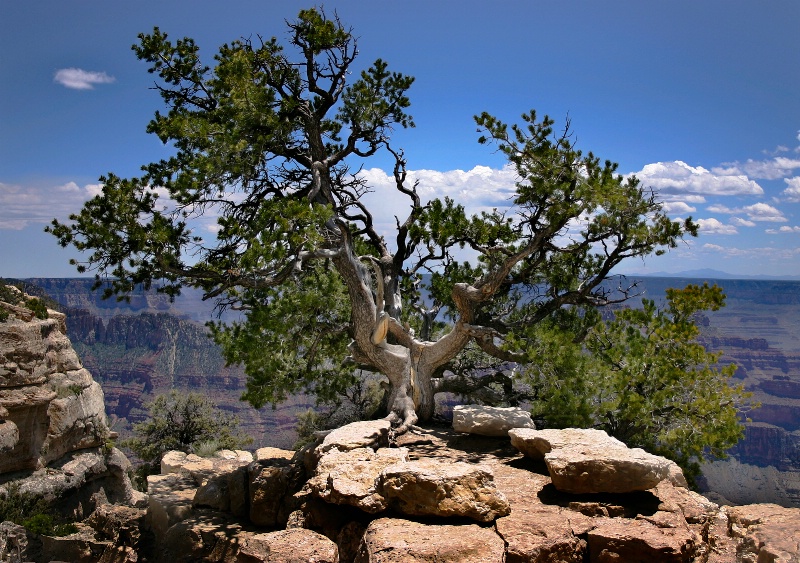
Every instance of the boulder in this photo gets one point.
(221, 480)
(624, 539)
(600, 470)
(121, 525)
(201, 536)
(590, 461)
(272, 453)
(393, 540)
(489, 421)
(170, 499)
(9, 436)
(364, 434)
(209, 537)
(271, 485)
(352, 477)
(438, 488)
(538, 532)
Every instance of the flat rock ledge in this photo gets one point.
(590, 461)
(489, 421)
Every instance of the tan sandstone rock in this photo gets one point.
(170, 500)
(624, 539)
(590, 461)
(435, 488)
(46, 394)
(536, 443)
(364, 434)
(352, 477)
(392, 540)
(272, 483)
(489, 421)
(288, 546)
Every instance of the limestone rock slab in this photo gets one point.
(271, 484)
(364, 434)
(540, 533)
(489, 421)
(536, 443)
(430, 487)
(605, 470)
(393, 540)
(590, 461)
(352, 477)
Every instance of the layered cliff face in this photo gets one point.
(45, 393)
(54, 439)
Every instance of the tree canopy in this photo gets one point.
(270, 142)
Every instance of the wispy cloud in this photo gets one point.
(79, 79)
(783, 230)
(21, 206)
(755, 212)
(769, 169)
(760, 253)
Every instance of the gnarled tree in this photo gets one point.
(270, 142)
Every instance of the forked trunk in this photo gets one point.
(411, 398)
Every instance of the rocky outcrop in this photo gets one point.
(354, 477)
(348, 504)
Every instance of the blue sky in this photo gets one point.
(699, 99)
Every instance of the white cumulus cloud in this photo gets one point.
(792, 193)
(679, 177)
(678, 207)
(79, 79)
(715, 227)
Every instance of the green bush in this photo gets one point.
(33, 512)
(38, 307)
(14, 296)
(183, 422)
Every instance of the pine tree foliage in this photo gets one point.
(269, 143)
(644, 378)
